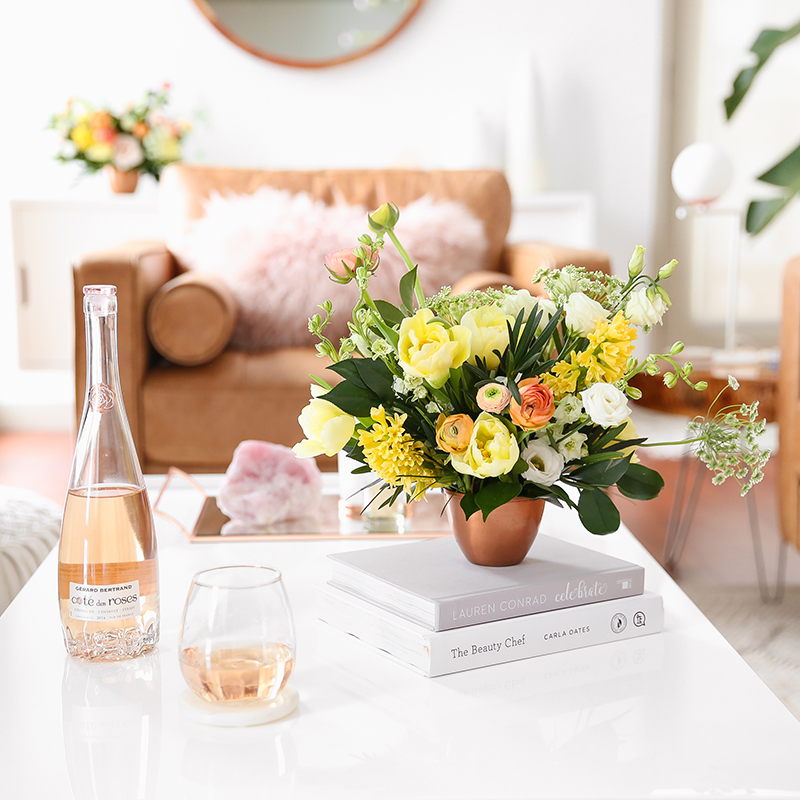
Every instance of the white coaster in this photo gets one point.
(240, 714)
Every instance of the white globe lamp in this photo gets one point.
(701, 173)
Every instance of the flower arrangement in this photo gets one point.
(141, 138)
(499, 394)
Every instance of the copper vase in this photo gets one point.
(504, 538)
(122, 182)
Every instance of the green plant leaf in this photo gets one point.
(786, 172)
(352, 399)
(602, 473)
(407, 283)
(468, 505)
(761, 212)
(640, 483)
(494, 495)
(763, 47)
(369, 374)
(597, 512)
(392, 315)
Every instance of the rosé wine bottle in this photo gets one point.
(107, 565)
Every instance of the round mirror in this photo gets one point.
(309, 33)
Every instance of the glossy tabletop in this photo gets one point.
(677, 714)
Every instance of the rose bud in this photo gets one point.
(493, 397)
(537, 405)
(342, 262)
(384, 217)
(453, 433)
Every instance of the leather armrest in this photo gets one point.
(138, 270)
(523, 260)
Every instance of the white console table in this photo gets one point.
(673, 715)
(46, 236)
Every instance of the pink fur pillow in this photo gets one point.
(270, 246)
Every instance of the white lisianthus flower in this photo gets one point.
(583, 313)
(523, 300)
(574, 446)
(544, 463)
(643, 311)
(605, 404)
(128, 153)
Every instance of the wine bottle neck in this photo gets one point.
(102, 376)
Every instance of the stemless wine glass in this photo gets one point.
(237, 635)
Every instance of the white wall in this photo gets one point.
(433, 97)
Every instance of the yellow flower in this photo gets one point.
(100, 152)
(492, 450)
(628, 432)
(82, 135)
(429, 349)
(563, 377)
(393, 455)
(327, 428)
(487, 324)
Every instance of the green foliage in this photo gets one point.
(786, 173)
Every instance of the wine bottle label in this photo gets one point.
(104, 603)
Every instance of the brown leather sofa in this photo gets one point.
(191, 408)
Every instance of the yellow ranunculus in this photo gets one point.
(492, 450)
(429, 349)
(327, 428)
(82, 135)
(487, 324)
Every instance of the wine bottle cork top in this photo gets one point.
(100, 299)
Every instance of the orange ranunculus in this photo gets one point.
(537, 405)
(453, 433)
(140, 130)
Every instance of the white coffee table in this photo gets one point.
(678, 714)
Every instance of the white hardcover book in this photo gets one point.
(431, 583)
(437, 653)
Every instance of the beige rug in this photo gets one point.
(767, 636)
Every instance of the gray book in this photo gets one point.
(441, 652)
(432, 584)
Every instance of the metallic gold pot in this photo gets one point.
(506, 536)
(122, 182)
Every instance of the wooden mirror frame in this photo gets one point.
(210, 15)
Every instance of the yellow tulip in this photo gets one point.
(327, 428)
(487, 324)
(429, 349)
(82, 135)
(492, 449)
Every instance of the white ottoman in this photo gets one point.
(29, 528)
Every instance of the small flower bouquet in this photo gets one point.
(141, 138)
(496, 395)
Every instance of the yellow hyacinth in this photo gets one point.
(393, 455)
(604, 360)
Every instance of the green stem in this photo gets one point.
(669, 444)
(409, 264)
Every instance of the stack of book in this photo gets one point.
(428, 607)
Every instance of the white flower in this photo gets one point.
(128, 153)
(574, 446)
(544, 463)
(568, 410)
(605, 404)
(562, 283)
(523, 300)
(583, 313)
(643, 311)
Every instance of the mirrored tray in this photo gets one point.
(187, 505)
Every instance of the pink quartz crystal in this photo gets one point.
(267, 483)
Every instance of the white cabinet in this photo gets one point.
(565, 218)
(47, 235)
